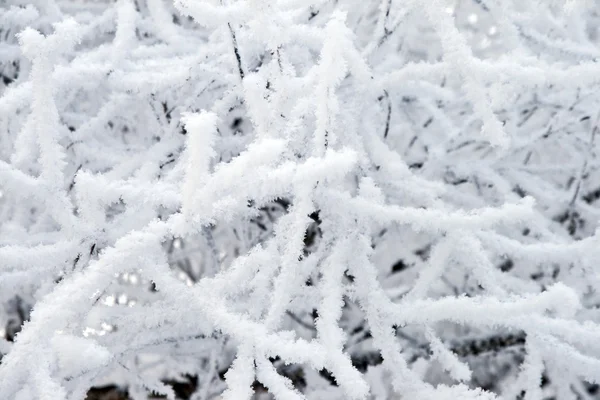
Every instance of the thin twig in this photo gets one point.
(584, 165)
(389, 115)
(236, 51)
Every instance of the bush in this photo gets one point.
(299, 198)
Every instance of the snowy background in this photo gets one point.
(299, 199)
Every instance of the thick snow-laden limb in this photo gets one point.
(312, 198)
(199, 152)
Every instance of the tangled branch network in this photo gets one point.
(316, 199)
